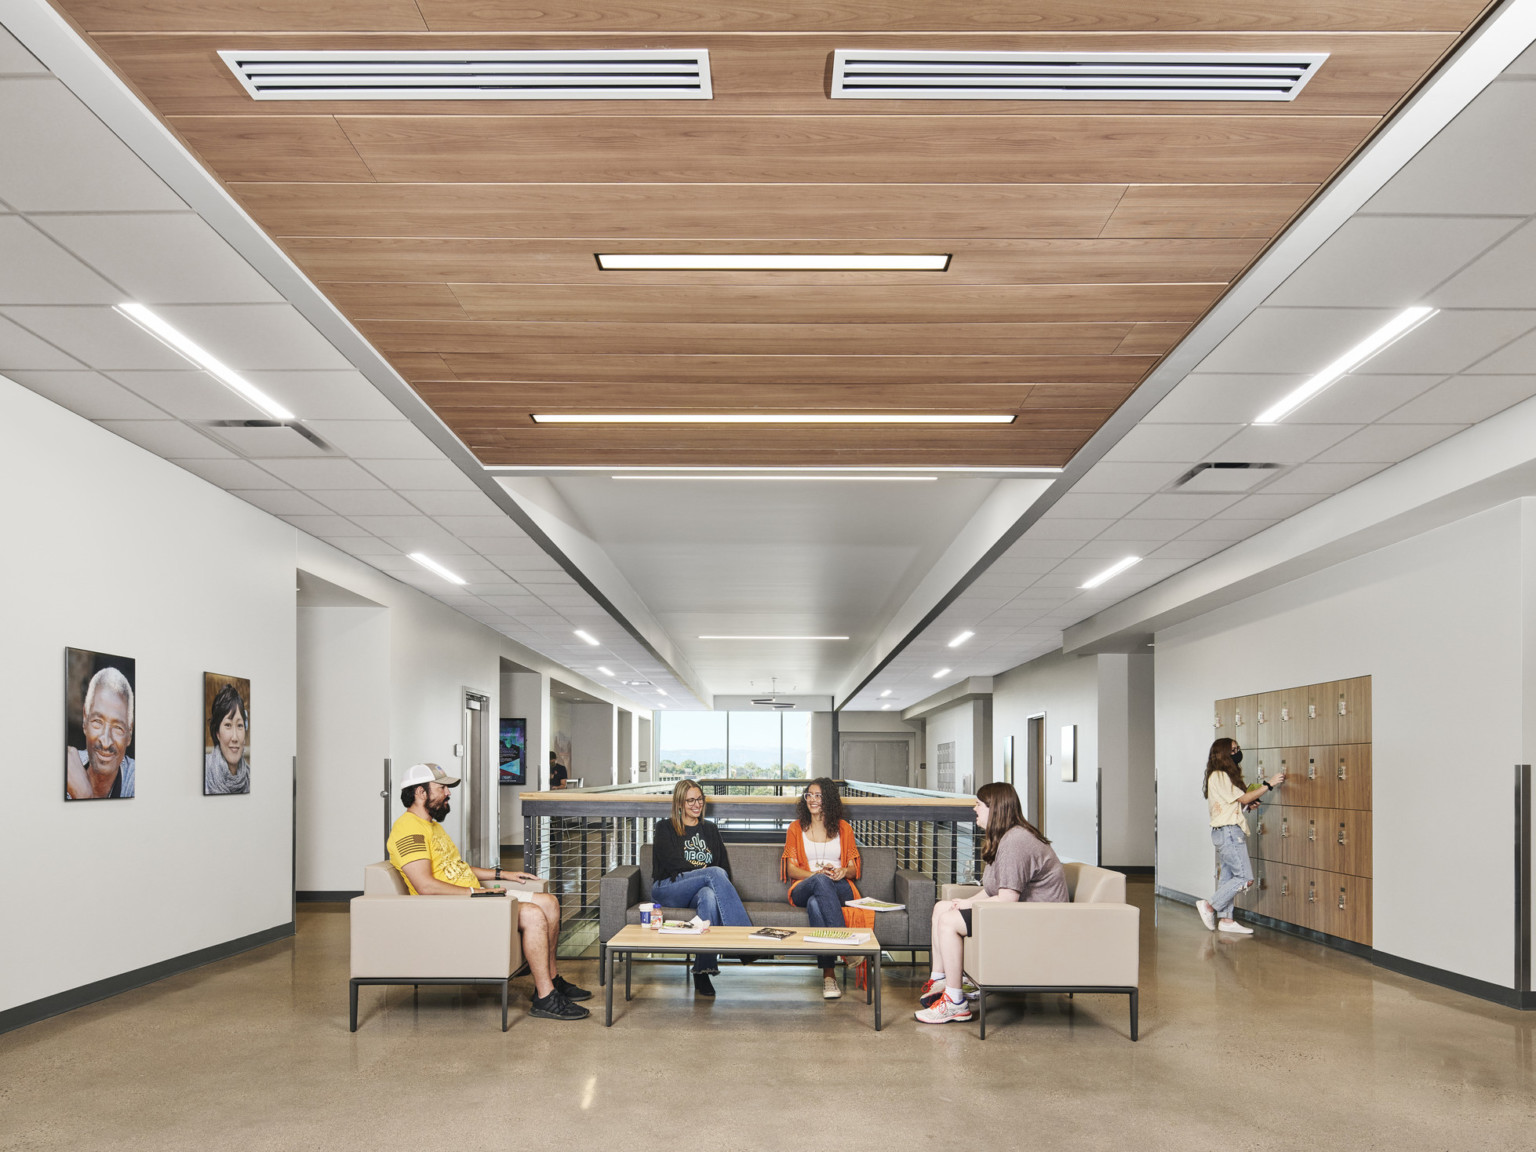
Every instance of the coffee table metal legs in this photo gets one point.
(629, 966)
(877, 991)
(607, 963)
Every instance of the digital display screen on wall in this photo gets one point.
(514, 741)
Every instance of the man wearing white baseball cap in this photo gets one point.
(424, 854)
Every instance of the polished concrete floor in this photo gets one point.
(1262, 1043)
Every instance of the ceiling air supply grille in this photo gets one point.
(650, 74)
(875, 75)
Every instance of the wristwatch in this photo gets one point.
(498, 871)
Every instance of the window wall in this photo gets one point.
(736, 745)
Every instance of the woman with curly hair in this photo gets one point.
(820, 863)
(1228, 797)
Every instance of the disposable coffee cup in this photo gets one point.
(647, 915)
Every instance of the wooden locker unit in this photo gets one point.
(1350, 776)
(1293, 762)
(1322, 714)
(1355, 711)
(1291, 708)
(1266, 721)
(1347, 846)
(1224, 713)
(1348, 912)
(1317, 783)
(1264, 834)
(1243, 709)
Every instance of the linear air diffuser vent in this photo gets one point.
(648, 74)
(877, 75)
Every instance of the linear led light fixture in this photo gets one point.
(960, 639)
(768, 262)
(961, 470)
(588, 637)
(886, 693)
(885, 707)
(1385, 336)
(782, 477)
(766, 418)
(942, 672)
(773, 637)
(178, 342)
(1111, 572)
(434, 567)
(605, 671)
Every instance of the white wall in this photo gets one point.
(526, 695)
(969, 725)
(594, 743)
(110, 548)
(1127, 761)
(343, 740)
(1066, 690)
(1437, 622)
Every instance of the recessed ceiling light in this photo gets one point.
(885, 707)
(1389, 333)
(942, 672)
(433, 566)
(768, 418)
(773, 637)
(588, 637)
(179, 342)
(786, 477)
(662, 692)
(1111, 572)
(605, 671)
(960, 639)
(768, 262)
(886, 693)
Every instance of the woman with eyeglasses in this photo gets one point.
(820, 863)
(1228, 798)
(690, 869)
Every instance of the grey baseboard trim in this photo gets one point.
(1455, 981)
(1132, 869)
(60, 1002)
(323, 897)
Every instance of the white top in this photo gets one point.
(830, 853)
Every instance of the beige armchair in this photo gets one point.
(398, 938)
(1091, 944)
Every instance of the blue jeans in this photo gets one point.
(710, 893)
(822, 898)
(1236, 873)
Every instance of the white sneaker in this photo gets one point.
(829, 988)
(944, 1011)
(1207, 914)
(1236, 929)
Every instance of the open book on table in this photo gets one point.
(871, 904)
(836, 936)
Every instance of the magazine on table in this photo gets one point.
(836, 936)
(770, 934)
(869, 903)
(692, 927)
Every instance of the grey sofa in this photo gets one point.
(755, 873)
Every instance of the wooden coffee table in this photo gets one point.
(633, 938)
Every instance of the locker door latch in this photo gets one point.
(1312, 892)
(1341, 834)
(1312, 831)
(1341, 898)
(1343, 770)
(1311, 769)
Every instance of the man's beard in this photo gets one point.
(438, 812)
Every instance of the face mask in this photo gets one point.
(1237, 757)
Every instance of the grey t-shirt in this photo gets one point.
(1029, 866)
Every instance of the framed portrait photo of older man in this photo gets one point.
(99, 699)
(226, 735)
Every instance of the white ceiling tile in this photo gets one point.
(281, 501)
(313, 475)
(1066, 529)
(19, 350)
(1513, 360)
(1227, 530)
(1465, 400)
(401, 525)
(326, 527)
(1271, 505)
(89, 394)
(1324, 478)
(231, 474)
(533, 565)
(373, 502)
(1524, 64)
(1280, 443)
(1188, 549)
(16, 60)
(35, 270)
(1220, 398)
(1388, 442)
(97, 335)
(169, 438)
(1389, 261)
(1293, 340)
(251, 336)
(1170, 443)
(1453, 340)
(1111, 548)
(1096, 504)
(161, 257)
(1029, 545)
(55, 156)
(1146, 530)
(396, 439)
(1504, 278)
(423, 475)
(1109, 476)
(482, 527)
(1482, 163)
(474, 503)
(345, 395)
(1357, 399)
(430, 539)
(189, 395)
(1183, 506)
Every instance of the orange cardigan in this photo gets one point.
(794, 853)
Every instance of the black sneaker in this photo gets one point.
(557, 1007)
(702, 984)
(570, 991)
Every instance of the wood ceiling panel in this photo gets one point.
(312, 148)
(402, 259)
(464, 397)
(701, 211)
(1151, 339)
(246, 15)
(1253, 210)
(447, 338)
(782, 75)
(801, 149)
(581, 366)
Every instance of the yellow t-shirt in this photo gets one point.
(413, 838)
(1222, 796)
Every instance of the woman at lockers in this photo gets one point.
(1228, 798)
